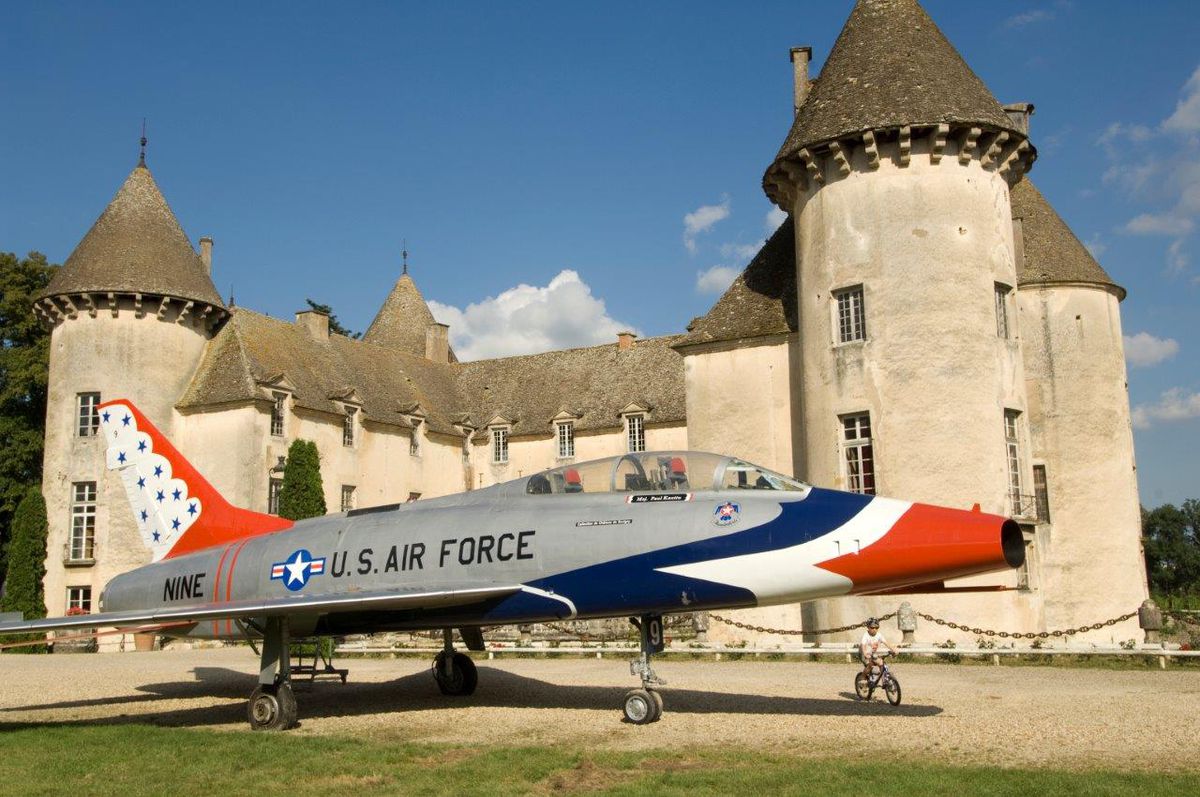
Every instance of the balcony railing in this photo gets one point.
(1026, 506)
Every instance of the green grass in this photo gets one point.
(136, 759)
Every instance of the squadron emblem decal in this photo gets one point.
(726, 514)
(297, 570)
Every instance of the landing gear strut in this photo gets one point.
(455, 673)
(645, 705)
(272, 706)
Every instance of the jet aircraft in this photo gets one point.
(641, 535)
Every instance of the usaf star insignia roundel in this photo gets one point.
(297, 570)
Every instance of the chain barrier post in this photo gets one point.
(906, 621)
(1150, 620)
(700, 626)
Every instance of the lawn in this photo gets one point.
(139, 759)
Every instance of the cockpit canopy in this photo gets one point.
(660, 471)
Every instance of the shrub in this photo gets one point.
(302, 494)
(27, 565)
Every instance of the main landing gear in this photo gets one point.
(272, 705)
(455, 673)
(645, 705)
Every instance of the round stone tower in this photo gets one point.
(131, 311)
(897, 172)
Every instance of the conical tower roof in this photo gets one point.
(402, 321)
(1052, 252)
(136, 246)
(891, 67)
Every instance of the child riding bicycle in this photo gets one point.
(868, 647)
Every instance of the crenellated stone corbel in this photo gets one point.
(967, 150)
(51, 309)
(796, 174)
(905, 145)
(90, 301)
(871, 147)
(113, 304)
(163, 306)
(810, 163)
(183, 314)
(1015, 162)
(72, 310)
(839, 158)
(993, 152)
(939, 142)
(138, 310)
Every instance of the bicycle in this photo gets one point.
(865, 686)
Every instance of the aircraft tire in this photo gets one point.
(272, 708)
(658, 699)
(641, 707)
(463, 678)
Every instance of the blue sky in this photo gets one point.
(560, 170)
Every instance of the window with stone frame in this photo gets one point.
(635, 428)
(277, 413)
(1003, 312)
(858, 455)
(79, 600)
(1041, 493)
(565, 435)
(500, 445)
(348, 497)
(851, 315)
(1012, 445)
(414, 439)
(349, 422)
(87, 414)
(82, 546)
(274, 487)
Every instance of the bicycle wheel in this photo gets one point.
(862, 687)
(892, 688)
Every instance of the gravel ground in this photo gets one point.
(1039, 716)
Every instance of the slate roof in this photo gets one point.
(761, 301)
(136, 246)
(891, 66)
(253, 348)
(595, 382)
(403, 319)
(1052, 252)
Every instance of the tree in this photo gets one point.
(24, 357)
(27, 564)
(302, 495)
(1171, 540)
(334, 327)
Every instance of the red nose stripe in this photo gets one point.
(927, 543)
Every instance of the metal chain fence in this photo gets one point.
(1029, 634)
(795, 631)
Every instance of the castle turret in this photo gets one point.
(131, 311)
(896, 172)
(1086, 554)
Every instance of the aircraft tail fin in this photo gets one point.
(176, 509)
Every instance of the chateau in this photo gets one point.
(923, 325)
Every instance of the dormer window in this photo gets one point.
(277, 410)
(500, 445)
(348, 424)
(565, 434)
(635, 427)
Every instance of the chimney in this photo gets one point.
(1018, 114)
(437, 343)
(206, 253)
(800, 58)
(625, 340)
(316, 323)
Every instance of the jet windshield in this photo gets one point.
(659, 471)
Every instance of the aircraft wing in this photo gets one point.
(301, 604)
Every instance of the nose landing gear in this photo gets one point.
(272, 705)
(645, 705)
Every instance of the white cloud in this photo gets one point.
(1175, 404)
(528, 319)
(702, 220)
(1143, 349)
(1095, 246)
(716, 279)
(741, 251)
(775, 217)
(1186, 118)
(1158, 224)
(1177, 259)
(1027, 18)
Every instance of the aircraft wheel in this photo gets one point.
(861, 687)
(272, 708)
(654, 693)
(463, 677)
(641, 707)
